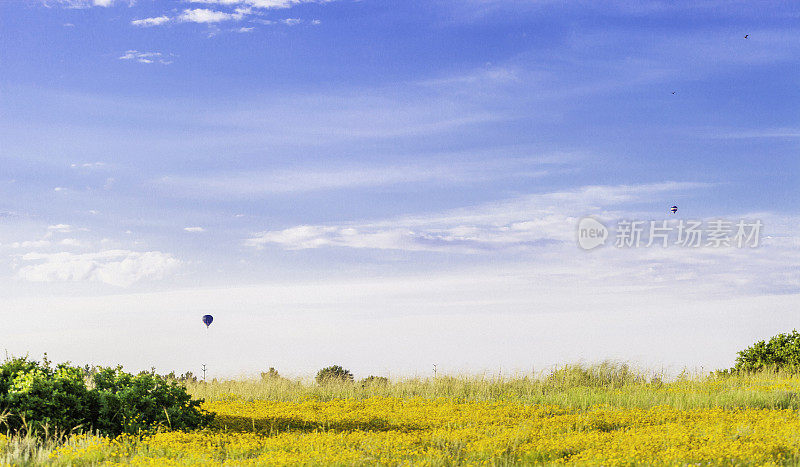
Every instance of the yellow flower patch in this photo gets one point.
(385, 430)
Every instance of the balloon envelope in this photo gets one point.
(207, 319)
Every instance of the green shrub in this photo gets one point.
(130, 404)
(39, 398)
(272, 373)
(374, 381)
(781, 352)
(333, 373)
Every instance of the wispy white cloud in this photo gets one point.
(63, 228)
(518, 223)
(779, 133)
(120, 268)
(664, 59)
(482, 76)
(241, 9)
(194, 229)
(51, 237)
(304, 179)
(265, 4)
(204, 15)
(145, 57)
(78, 4)
(218, 2)
(154, 21)
(87, 165)
(322, 118)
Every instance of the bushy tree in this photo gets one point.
(781, 352)
(37, 396)
(333, 373)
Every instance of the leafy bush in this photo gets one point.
(130, 404)
(271, 374)
(781, 352)
(39, 397)
(374, 381)
(333, 373)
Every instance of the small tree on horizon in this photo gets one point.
(272, 373)
(333, 373)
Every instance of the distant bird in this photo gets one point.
(674, 209)
(673, 92)
(745, 36)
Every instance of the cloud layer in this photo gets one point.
(540, 230)
(120, 268)
(522, 222)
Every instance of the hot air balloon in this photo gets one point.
(674, 209)
(207, 319)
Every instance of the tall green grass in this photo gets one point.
(577, 386)
(30, 446)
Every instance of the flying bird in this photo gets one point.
(745, 36)
(673, 92)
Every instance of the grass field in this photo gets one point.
(605, 414)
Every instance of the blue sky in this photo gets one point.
(388, 185)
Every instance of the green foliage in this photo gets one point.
(333, 373)
(603, 375)
(130, 404)
(271, 374)
(374, 381)
(187, 377)
(781, 352)
(39, 398)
